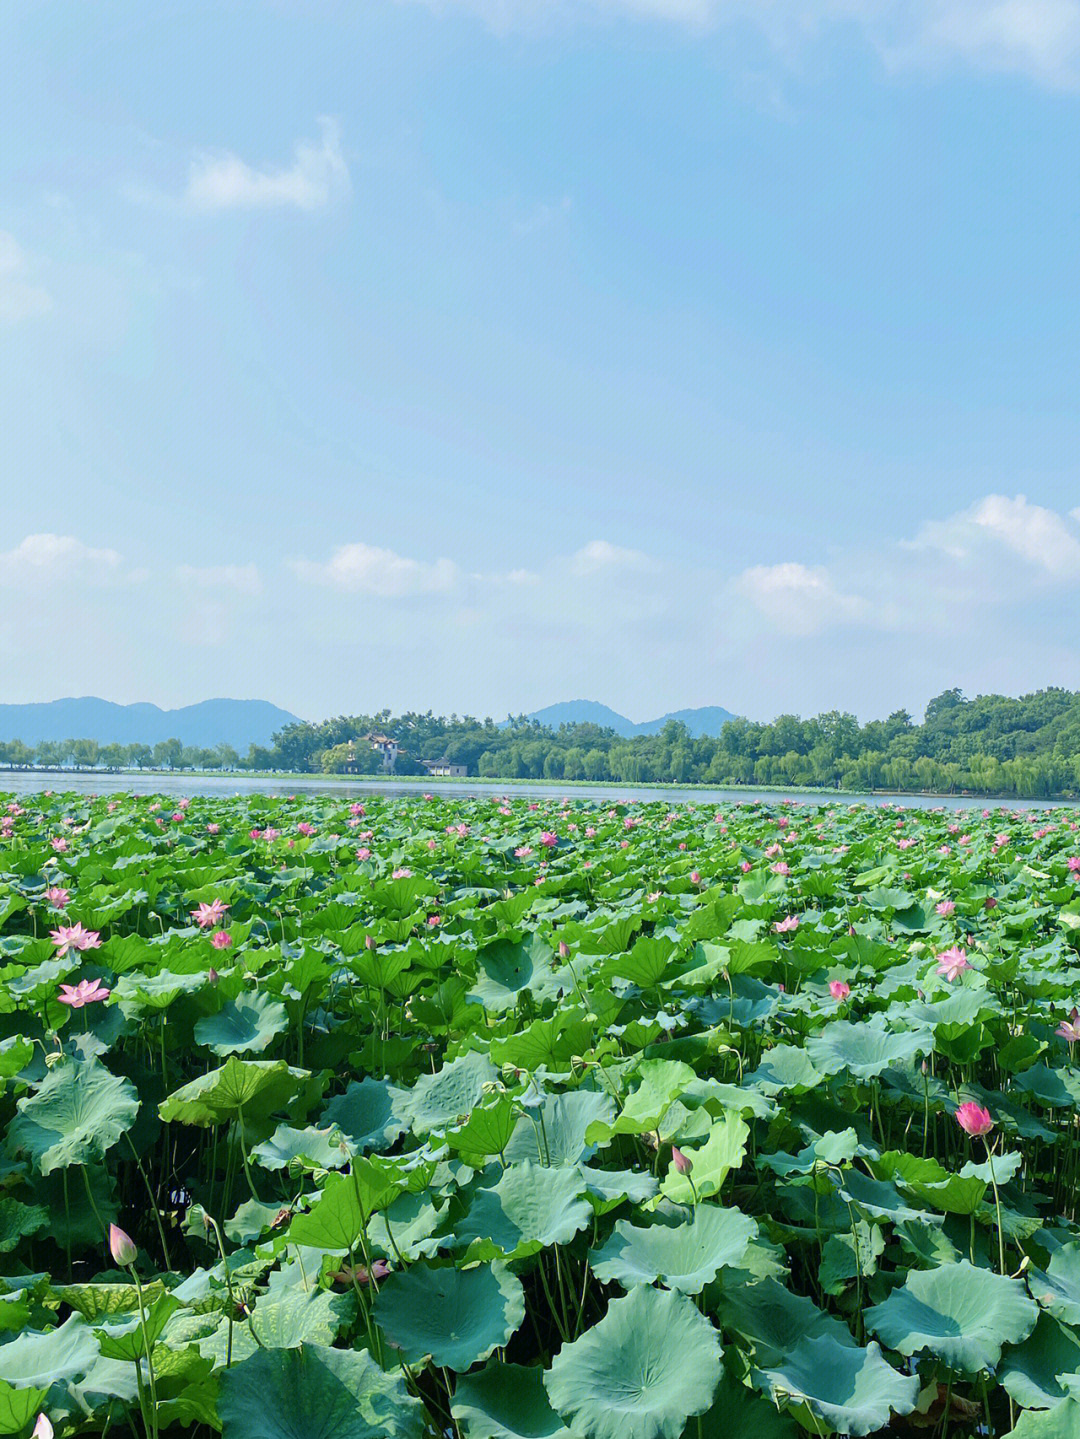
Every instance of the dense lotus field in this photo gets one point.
(498, 1120)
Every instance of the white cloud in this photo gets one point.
(1042, 538)
(365, 569)
(45, 559)
(798, 599)
(602, 557)
(318, 175)
(241, 579)
(20, 298)
(1039, 38)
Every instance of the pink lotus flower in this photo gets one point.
(221, 939)
(945, 907)
(549, 838)
(590, 831)
(695, 876)
(1073, 863)
(745, 866)
(434, 920)
(682, 1162)
(213, 828)
(42, 1429)
(523, 851)
(359, 808)
(73, 936)
(401, 874)
(87, 991)
(363, 853)
(786, 926)
(271, 834)
(122, 1247)
(782, 867)
(905, 843)
(57, 897)
(838, 989)
(59, 845)
(304, 828)
(951, 963)
(210, 914)
(989, 902)
(973, 1119)
(346, 1274)
(1070, 1028)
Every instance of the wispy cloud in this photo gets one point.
(798, 599)
(20, 297)
(1045, 540)
(46, 559)
(1038, 38)
(365, 569)
(318, 175)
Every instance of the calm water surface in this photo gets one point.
(344, 788)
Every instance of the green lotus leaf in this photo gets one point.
(833, 1148)
(320, 1148)
(607, 1188)
(1061, 1422)
(1058, 1288)
(661, 1083)
(247, 1024)
(506, 967)
(880, 1199)
(78, 1111)
(722, 1151)
(506, 1401)
(784, 1068)
(315, 1393)
(1030, 1371)
(487, 1130)
(121, 1335)
(256, 1087)
(40, 1359)
(849, 1390)
(457, 1316)
(368, 1113)
(18, 1220)
(19, 1406)
(345, 1206)
(406, 1227)
(682, 1252)
(555, 1133)
(529, 1208)
(448, 1096)
(865, 1049)
(648, 1366)
(285, 1319)
(961, 1314)
(739, 1412)
(772, 1321)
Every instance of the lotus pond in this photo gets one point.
(507, 1120)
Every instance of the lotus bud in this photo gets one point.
(564, 949)
(42, 1429)
(369, 941)
(122, 1247)
(212, 976)
(682, 1162)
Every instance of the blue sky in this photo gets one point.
(477, 354)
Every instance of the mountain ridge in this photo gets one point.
(239, 723)
(706, 720)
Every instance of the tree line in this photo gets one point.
(991, 745)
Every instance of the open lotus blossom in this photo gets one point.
(363, 853)
(786, 926)
(838, 989)
(973, 1119)
(73, 936)
(221, 939)
(122, 1247)
(304, 828)
(57, 897)
(1070, 1028)
(695, 876)
(945, 907)
(549, 838)
(87, 991)
(951, 963)
(207, 915)
(359, 1274)
(401, 873)
(213, 829)
(781, 867)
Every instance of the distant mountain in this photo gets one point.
(708, 720)
(235, 722)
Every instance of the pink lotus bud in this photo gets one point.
(695, 877)
(369, 941)
(682, 1162)
(564, 949)
(838, 989)
(122, 1247)
(973, 1119)
(42, 1429)
(212, 976)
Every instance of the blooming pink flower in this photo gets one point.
(434, 920)
(590, 831)
(359, 808)
(87, 991)
(210, 914)
(255, 833)
(549, 838)
(786, 926)
(1073, 863)
(213, 828)
(781, 867)
(304, 828)
(401, 874)
(973, 1119)
(177, 816)
(523, 851)
(952, 962)
(745, 866)
(74, 937)
(363, 853)
(271, 834)
(221, 939)
(57, 897)
(1070, 1028)
(695, 876)
(945, 907)
(838, 989)
(59, 845)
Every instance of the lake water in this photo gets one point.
(21, 783)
